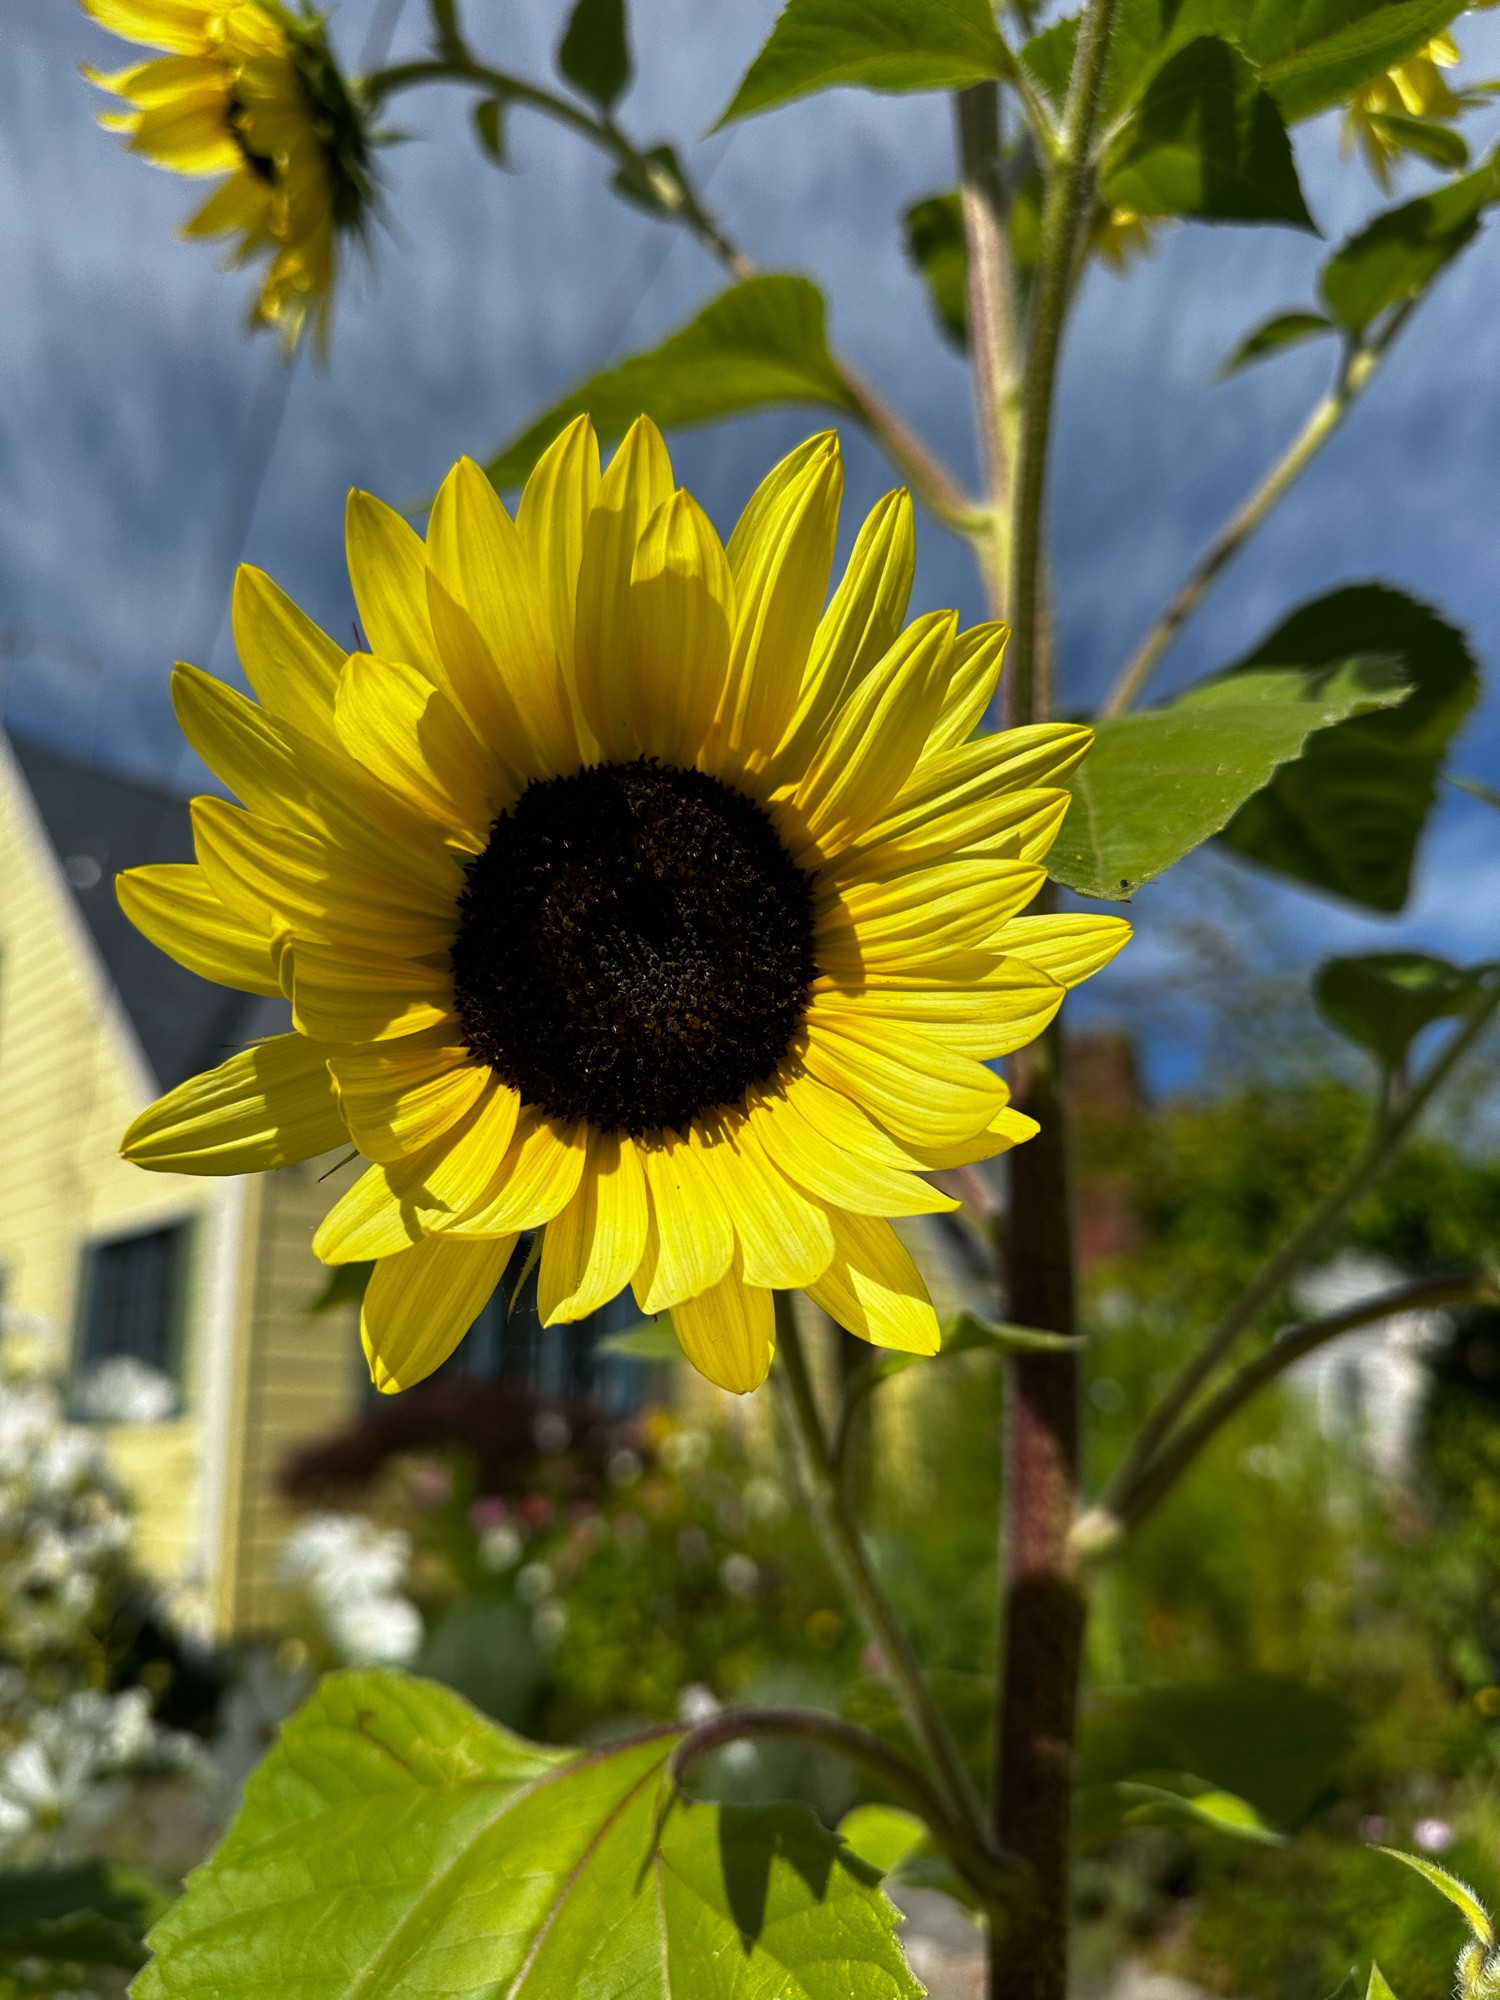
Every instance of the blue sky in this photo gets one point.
(127, 387)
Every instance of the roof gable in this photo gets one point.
(99, 823)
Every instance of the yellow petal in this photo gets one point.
(421, 1302)
(1010, 826)
(592, 1248)
(471, 680)
(681, 607)
(639, 480)
(471, 1153)
(191, 138)
(536, 1180)
(292, 665)
(409, 734)
(770, 496)
(867, 755)
(978, 655)
(920, 1091)
(180, 76)
(873, 1288)
(315, 889)
(1007, 1128)
(1041, 753)
(728, 1333)
(268, 1106)
(162, 24)
(175, 906)
(1003, 1011)
(690, 1241)
(474, 550)
(1071, 948)
(918, 916)
(780, 586)
(859, 627)
(399, 1097)
(388, 569)
(842, 1158)
(376, 1217)
(552, 517)
(784, 1238)
(357, 996)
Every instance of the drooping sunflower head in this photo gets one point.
(1379, 113)
(624, 892)
(249, 90)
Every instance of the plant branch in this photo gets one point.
(994, 1877)
(931, 481)
(1179, 1450)
(1392, 1122)
(1356, 372)
(1068, 192)
(992, 330)
(846, 1551)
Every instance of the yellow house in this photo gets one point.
(176, 1308)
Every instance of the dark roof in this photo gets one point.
(99, 824)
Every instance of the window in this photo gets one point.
(131, 1332)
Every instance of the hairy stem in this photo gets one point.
(991, 1876)
(1043, 1602)
(992, 330)
(1179, 1450)
(851, 1564)
(1358, 370)
(1069, 183)
(1389, 1128)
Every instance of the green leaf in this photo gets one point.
(489, 129)
(1048, 58)
(1400, 253)
(1379, 1986)
(1288, 329)
(936, 245)
(1182, 1798)
(895, 45)
(1428, 136)
(1206, 140)
(882, 1836)
(652, 1340)
(1157, 784)
(345, 1286)
(1347, 816)
(1270, 1740)
(594, 53)
(1385, 1000)
(88, 1913)
(394, 1842)
(762, 342)
(1361, 41)
(1459, 1894)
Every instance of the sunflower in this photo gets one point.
(251, 91)
(1379, 115)
(622, 893)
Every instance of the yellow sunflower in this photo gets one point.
(1416, 88)
(252, 91)
(621, 892)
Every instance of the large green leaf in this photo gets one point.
(882, 44)
(1157, 784)
(1268, 1739)
(1206, 140)
(394, 1843)
(1384, 1000)
(1402, 251)
(1347, 816)
(761, 342)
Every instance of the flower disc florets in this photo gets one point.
(635, 947)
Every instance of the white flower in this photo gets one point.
(375, 1631)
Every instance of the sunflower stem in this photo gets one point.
(851, 1564)
(992, 329)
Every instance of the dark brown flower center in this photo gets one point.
(634, 947)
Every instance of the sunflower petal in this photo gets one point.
(784, 1237)
(978, 655)
(989, 1016)
(421, 1302)
(1010, 826)
(400, 1097)
(471, 680)
(681, 608)
(268, 1106)
(475, 551)
(467, 1160)
(868, 754)
(536, 1179)
(1007, 1128)
(175, 905)
(596, 1243)
(770, 496)
(690, 1241)
(873, 1289)
(388, 570)
(358, 996)
(1071, 948)
(376, 1217)
(922, 1092)
(292, 665)
(728, 1333)
(552, 518)
(639, 480)
(843, 1158)
(159, 24)
(393, 721)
